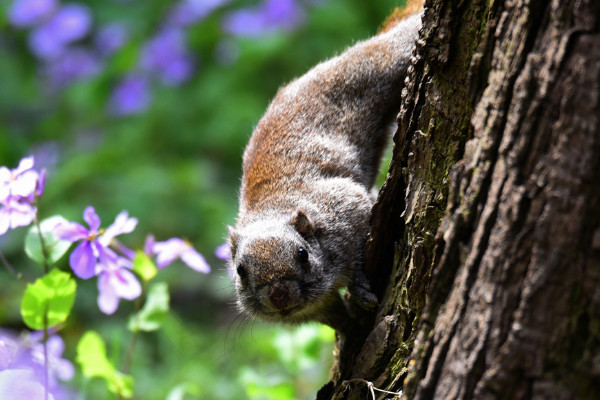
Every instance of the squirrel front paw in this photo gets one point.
(361, 295)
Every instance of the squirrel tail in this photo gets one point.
(411, 7)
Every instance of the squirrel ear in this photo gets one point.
(302, 223)
(232, 240)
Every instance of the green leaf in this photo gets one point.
(144, 266)
(153, 314)
(55, 247)
(91, 356)
(179, 391)
(273, 387)
(53, 294)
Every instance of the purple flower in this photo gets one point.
(174, 248)
(283, 14)
(72, 22)
(111, 38)
(18, 190)
(58, 367)
(244, 22)
(88, 254)
(74, 64)
(12, 352)
(19, 384)
(19, 182)
(43, 43)
(115, 282)
(188, 12)
(93, 257)
(167, 56)
(268, 17)
(14, 214)
(83, 259)
(22, 367)
(131, 96)
(27, 13)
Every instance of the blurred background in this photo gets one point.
(145, 106)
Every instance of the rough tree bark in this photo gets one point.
(485, 240)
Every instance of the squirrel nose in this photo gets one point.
(279, 296)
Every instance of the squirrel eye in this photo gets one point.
(302, 255)
(241, 271)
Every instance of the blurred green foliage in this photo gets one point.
(176, 167)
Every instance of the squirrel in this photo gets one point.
(307, 185)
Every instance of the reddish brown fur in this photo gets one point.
(411, 7)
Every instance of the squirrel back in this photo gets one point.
(306, 192)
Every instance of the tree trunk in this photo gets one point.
(485, 240)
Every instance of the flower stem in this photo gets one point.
(129, 358)
(137, 307)
(10, 268)
(43, 245)
(46, 366)
(46, 269)
(134, 337)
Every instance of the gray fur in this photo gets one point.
(309, 169)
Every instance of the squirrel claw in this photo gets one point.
(364, 298)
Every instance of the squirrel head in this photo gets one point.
(279, 269)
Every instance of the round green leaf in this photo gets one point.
(55, 247)
(52, 294)
(154, 312)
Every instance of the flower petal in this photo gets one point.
(93, 220)
(15, 214)
(5, 176)
(168, 251)
(18, 384)
(24, 165)
(149, 244)
(22, 217)
(24, 185)
(71, 231)
(55, 346)
(123, 224)
(223, 251)
(4, 220)
(108, 301)
(109, 260)
(195, 261)
(64, 370)
(5, 355)
(83, 261)
(125, 284)
(39, 188)
(4, 192)
(126, 251)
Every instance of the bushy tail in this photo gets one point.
(411, 7)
